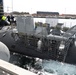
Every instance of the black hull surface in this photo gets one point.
(19, 47)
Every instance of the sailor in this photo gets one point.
(12, 18)
(39, 44)
(3, 21)
(8, 18)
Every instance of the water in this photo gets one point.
(42, 67)
(66, 22)
(59, 67)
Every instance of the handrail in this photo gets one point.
(8, 68)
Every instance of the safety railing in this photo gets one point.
(10, 69)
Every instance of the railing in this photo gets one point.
(10, 69)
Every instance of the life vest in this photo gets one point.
(3, 18)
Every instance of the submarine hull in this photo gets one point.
(18, 46)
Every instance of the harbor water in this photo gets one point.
(42, 66)
(66, 22)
